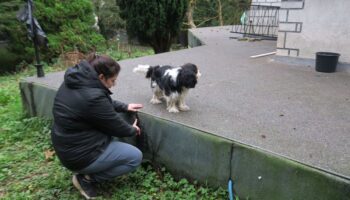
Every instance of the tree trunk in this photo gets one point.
(160, 49)
(189, 14)
(161, 45)
(221, 21)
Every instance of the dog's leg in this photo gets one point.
(155, 100)
(157, 95)
(182, 104)
(171, 104)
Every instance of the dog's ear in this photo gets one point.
(151, 71)
(157, 73)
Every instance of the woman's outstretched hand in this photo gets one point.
(134, 107)
(138, 131)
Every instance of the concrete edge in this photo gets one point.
(209, 159)
(197, 155)
(194, 41)
(37, 99)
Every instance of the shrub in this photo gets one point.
(154, 22)
(67, 23)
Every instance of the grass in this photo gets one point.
(28, 170)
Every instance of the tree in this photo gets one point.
(232, 10)
(205, 13)
(68, 25)
(109, 19)
(154, 22)
(12, 36)
(221, 21)
(218, 12)
(189, 14)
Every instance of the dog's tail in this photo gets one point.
(144, 69)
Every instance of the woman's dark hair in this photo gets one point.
(103, 65)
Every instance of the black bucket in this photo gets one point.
(326, 61)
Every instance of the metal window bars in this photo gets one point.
(259, 22)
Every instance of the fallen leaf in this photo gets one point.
(49, 154)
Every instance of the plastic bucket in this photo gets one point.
(326, 61)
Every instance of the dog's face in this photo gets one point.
(193, 68)
(187, 79)
(188, 75)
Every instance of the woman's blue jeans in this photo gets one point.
(118, 158)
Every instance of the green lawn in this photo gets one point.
(29, 171)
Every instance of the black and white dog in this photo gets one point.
(171, 83)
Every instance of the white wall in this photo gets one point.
(319, 25)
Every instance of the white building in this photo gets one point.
(310, 26)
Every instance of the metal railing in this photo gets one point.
(259, 22)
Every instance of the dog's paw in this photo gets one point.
(173, 110)
(184, 108)
(155, 101)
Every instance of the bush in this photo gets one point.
(68, 25)
(154, 22)
(109, 19)
(12, 36)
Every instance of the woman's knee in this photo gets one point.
(135, 156)
(126, 154)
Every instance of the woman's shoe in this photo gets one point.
(86, 187)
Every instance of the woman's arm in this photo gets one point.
(122, 107)
(102, 116)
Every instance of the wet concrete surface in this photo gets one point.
(290, 110)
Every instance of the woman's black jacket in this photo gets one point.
(85, 118)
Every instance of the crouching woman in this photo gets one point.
(85, 121)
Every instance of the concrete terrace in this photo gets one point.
(288, 110)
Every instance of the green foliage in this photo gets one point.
(15, 35)
(131, 52)
(7, 60)
(154, 22)
(206, 12)
(68, 25)
(25, 172)
(232, 10)
(109, 19)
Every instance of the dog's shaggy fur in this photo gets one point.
(171, 84)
